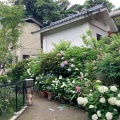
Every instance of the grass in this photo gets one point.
(6, 116)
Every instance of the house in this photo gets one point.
(96, 19)
(29, 44)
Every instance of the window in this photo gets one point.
(26, 56)
(98, 36)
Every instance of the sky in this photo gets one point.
(115, 2)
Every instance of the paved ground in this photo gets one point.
(43, 109)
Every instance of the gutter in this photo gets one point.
(114, 14)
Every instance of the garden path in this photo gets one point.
(43, 109)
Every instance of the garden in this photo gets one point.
(88, 75)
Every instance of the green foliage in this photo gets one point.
(62, 46)
(34, 67)
(106, 65)
(48, 11)
(74, 60)
(19, 72)
(11, 24)
(3, 79)
(7, 102)
(101, 101)
(108, 70)
(90, 3)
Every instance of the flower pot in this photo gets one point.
(43, 94)
(62, 100)
(73, 102)
(51, 95)
(81, 107)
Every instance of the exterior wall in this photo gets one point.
(99, 28)
(71, 34)
(74, 34)
(29, 43)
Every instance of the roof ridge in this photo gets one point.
(84, 12)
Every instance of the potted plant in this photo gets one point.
(40, 85)
(49, 87)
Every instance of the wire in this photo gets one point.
(39, 40)
(75, 37)
(30, 43)
(31, 48)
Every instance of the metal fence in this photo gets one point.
(12, 97)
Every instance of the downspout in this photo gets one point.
(114, 14)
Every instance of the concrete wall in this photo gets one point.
(71, 34)
(30, 44)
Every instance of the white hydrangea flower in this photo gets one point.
(98, 81)
(94, 117)
(60, 77)
(90, 94)
(113, 88)
(109, 116)
(103, 89)
(72, 65)
(72, 59)
(91, 106)
(68, 79)
(69, 69)
(118, 103)
(85, 101)
(115, 109)
(102, 100)
(99, 113)
(62, 52)
(82, 101)
(112, 100)
(76, 69)
(118, 95)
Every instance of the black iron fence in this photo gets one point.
(12, 97)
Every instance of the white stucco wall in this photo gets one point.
(99, 28)
(30, 44)
(71, 34)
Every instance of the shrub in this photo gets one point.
(3, 79)
(107, 64)
(19, 71)
(102, 103)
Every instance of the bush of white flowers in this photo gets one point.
(103, 103)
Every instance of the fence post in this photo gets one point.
(16, 109)
(23, 93)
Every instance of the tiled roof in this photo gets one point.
(84, 12)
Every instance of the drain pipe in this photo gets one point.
(114, 14)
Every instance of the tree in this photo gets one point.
(51, 11)
(47, 10)
(10, 22)
(91, 3)
(77, 8)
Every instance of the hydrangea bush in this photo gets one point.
(103, 103)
